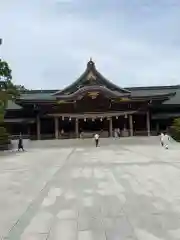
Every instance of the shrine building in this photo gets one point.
(93, 104)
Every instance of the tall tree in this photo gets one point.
(8, 91)
(5, 71)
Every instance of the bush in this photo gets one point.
(4, 138)
(175, 129)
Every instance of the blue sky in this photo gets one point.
(133, 43)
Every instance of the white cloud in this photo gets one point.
(48, 42)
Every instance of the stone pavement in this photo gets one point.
(118, 191)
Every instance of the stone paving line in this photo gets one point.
(128, 192)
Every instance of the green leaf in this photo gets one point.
(8, 91)
(175, 129)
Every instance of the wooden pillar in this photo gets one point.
(125, 123)
(131, 125)
(38, 127)
(77, 127)
(29, 130)
(157, 128)
(148, 123)
(56, 127)
(125, 132)
(110, 127)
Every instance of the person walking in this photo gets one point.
(96, 137)
(166, 141)
(115, 133)
(20, 144)
(162, 139)
(118, 132)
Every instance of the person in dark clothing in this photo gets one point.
(20, 144)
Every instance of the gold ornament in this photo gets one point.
(124, 99)
(93, 95)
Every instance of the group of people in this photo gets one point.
(21, 147)
(164, 140)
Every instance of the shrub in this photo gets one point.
(175, 129)
(4, 138)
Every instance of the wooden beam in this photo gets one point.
(91, 115)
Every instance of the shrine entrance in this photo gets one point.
(91, 126)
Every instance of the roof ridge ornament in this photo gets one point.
(90, 64)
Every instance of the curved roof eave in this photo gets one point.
(86, 89)
(156, 96)
(114, 85)
(91, 67)
(72, 84)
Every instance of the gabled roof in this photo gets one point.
(49, 95)
(94, 88)
(91, 76)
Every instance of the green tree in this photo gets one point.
(5, 71)
(175, 129)
(8, 91)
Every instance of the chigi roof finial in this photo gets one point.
(90, 63)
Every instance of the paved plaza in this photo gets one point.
(69, 190)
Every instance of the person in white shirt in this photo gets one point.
(119, 132)
(162, 139)
(96, 138)
(115, 133)
(166, 141)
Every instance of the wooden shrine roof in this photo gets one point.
(139, 91)
(92, 80)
